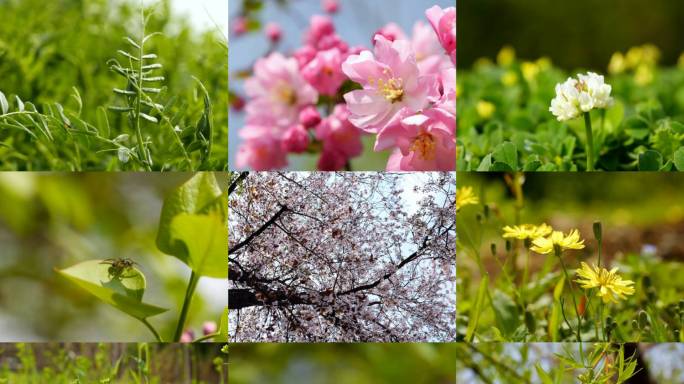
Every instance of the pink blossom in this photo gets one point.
(320, 26)
(240, 25)
(261, 153)
(304, 55)
(309, 117)
(391, 81)
(277, 88)
(428, 50)
(295, 139)
(273, 32)
(424, 141)
(444, 23)
(331, 6)
(209, 327)
(339, 135)
(331, 161)
(391, 32)
(324, 72)
(448, 100)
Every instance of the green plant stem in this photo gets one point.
(590, 141)
(572, 294)
(138, 101)
(206, 337)
(151, 328)
(192, 284)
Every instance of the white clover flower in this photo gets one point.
(575, 96)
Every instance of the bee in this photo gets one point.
(118, 267)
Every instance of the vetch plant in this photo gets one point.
(192, 228)
(159, 117)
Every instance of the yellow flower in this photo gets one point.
(643, 75)
(617, 63)
(530, 70)
(485, 109)
(510, 78)
(465, 196)
(610, 285)
(526, 231)
(680, 63)
(557, 242)
(506, 56)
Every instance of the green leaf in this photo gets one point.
(477, 309)
(223, 327)
(4, 106)
(485, 164)
(543, 376)
(206, 241)
(507, 313)
(507, 153)
(199, 195)
(650, 161)
(679, 159)
(124, 293)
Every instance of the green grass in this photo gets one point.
(93, 85)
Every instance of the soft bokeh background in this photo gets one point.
(55, 220)
(330, 363)
(579, 33)
(356, 22)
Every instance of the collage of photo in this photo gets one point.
(337, 191)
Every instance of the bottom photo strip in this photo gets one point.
(197, 363)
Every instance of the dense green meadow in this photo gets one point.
(106, 85)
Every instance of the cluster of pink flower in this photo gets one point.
(404, 92)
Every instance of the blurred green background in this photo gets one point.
(331, 363)
(55, 220)
(578, 33)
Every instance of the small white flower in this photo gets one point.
(575, 96)
(124, 155)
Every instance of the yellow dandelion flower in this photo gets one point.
(506, 56)
(485, 109)
(465, 196)
(557, 242)
(526, 231)
(610, 285)
(643, 75)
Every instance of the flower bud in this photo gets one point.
(309, 117)
(643, 319)
(273, 32)
(492, 248)
(509, 246)
(209, 327)
(598, 230)
(295, 139)
(187, 336)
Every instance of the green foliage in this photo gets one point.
(124, 292)
(504, 123)
(192, 228)
(58, 111)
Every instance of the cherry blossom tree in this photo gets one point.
(342, 256)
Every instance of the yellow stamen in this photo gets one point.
(424, 145)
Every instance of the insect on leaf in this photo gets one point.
(124, 292)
